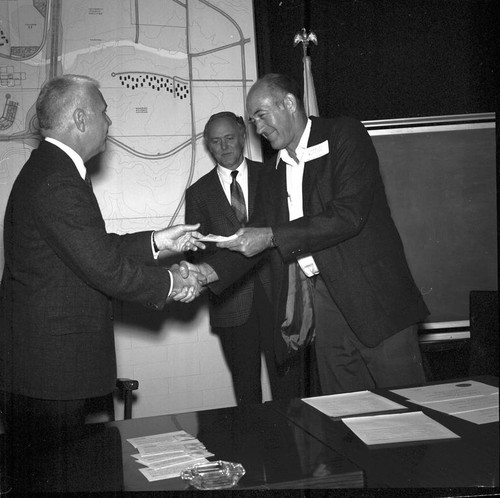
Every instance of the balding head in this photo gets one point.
(71, 109)
(59, 97)
(275, 107)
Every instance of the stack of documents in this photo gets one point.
(377, 420)
(166, 455)
(469, 400)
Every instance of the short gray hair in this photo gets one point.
(58, 97)
(240, 122)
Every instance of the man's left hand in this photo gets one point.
(249, 241)
(179, 238)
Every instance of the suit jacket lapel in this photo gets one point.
(253, 178)
(283, 214)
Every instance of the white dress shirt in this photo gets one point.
(294, 175)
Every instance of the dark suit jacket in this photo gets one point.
(207, 204)
(61, 269)
(347, 227)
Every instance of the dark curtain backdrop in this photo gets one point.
(383, 59)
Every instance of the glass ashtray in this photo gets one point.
(214, 475)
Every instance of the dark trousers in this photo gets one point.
(36, 429)
(298, 376)
(346, 364)
(242, 347)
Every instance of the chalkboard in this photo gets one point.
(441, 187)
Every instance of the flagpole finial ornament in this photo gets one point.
(305, 38)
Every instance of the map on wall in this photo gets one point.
(164, 67)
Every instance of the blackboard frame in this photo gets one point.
(441, 183)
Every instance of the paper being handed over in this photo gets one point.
(216, 238)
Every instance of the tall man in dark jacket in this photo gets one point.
(57, 352)
(239, 316)
(323, 205)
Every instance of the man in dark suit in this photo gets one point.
(57, 353)
(323, 205)
(239, 316)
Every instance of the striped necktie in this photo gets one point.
(238, 200)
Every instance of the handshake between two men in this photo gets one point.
(188, 278)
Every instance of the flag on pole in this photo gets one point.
(310, 102)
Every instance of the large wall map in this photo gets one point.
(164, 67)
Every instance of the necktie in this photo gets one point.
(238, 200)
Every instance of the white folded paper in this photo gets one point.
(217, 238)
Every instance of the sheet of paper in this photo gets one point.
(469, 400)
(341, 405)
(460, 405)
(171, 458)
(398, 428)
(167, 437)
(156, 449)
(483, 416)
(187, 460)
(216, 238)
(150, 459)
(441, 392)
(168, 472)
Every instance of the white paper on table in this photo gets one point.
(441, 392)
(484, 416)
(168, 472)
(170, 458)
(216, 238)
(148, 459)
(167, 437)
(156, 449)
(187, 459)
(398, 428)
(341, 405)
(460, 405)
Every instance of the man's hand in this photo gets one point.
(185, 288)
(179, 238)
(202, 271)
(249, 241)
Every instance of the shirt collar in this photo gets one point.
(299, 151)
(75, 157)
(226, 173)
